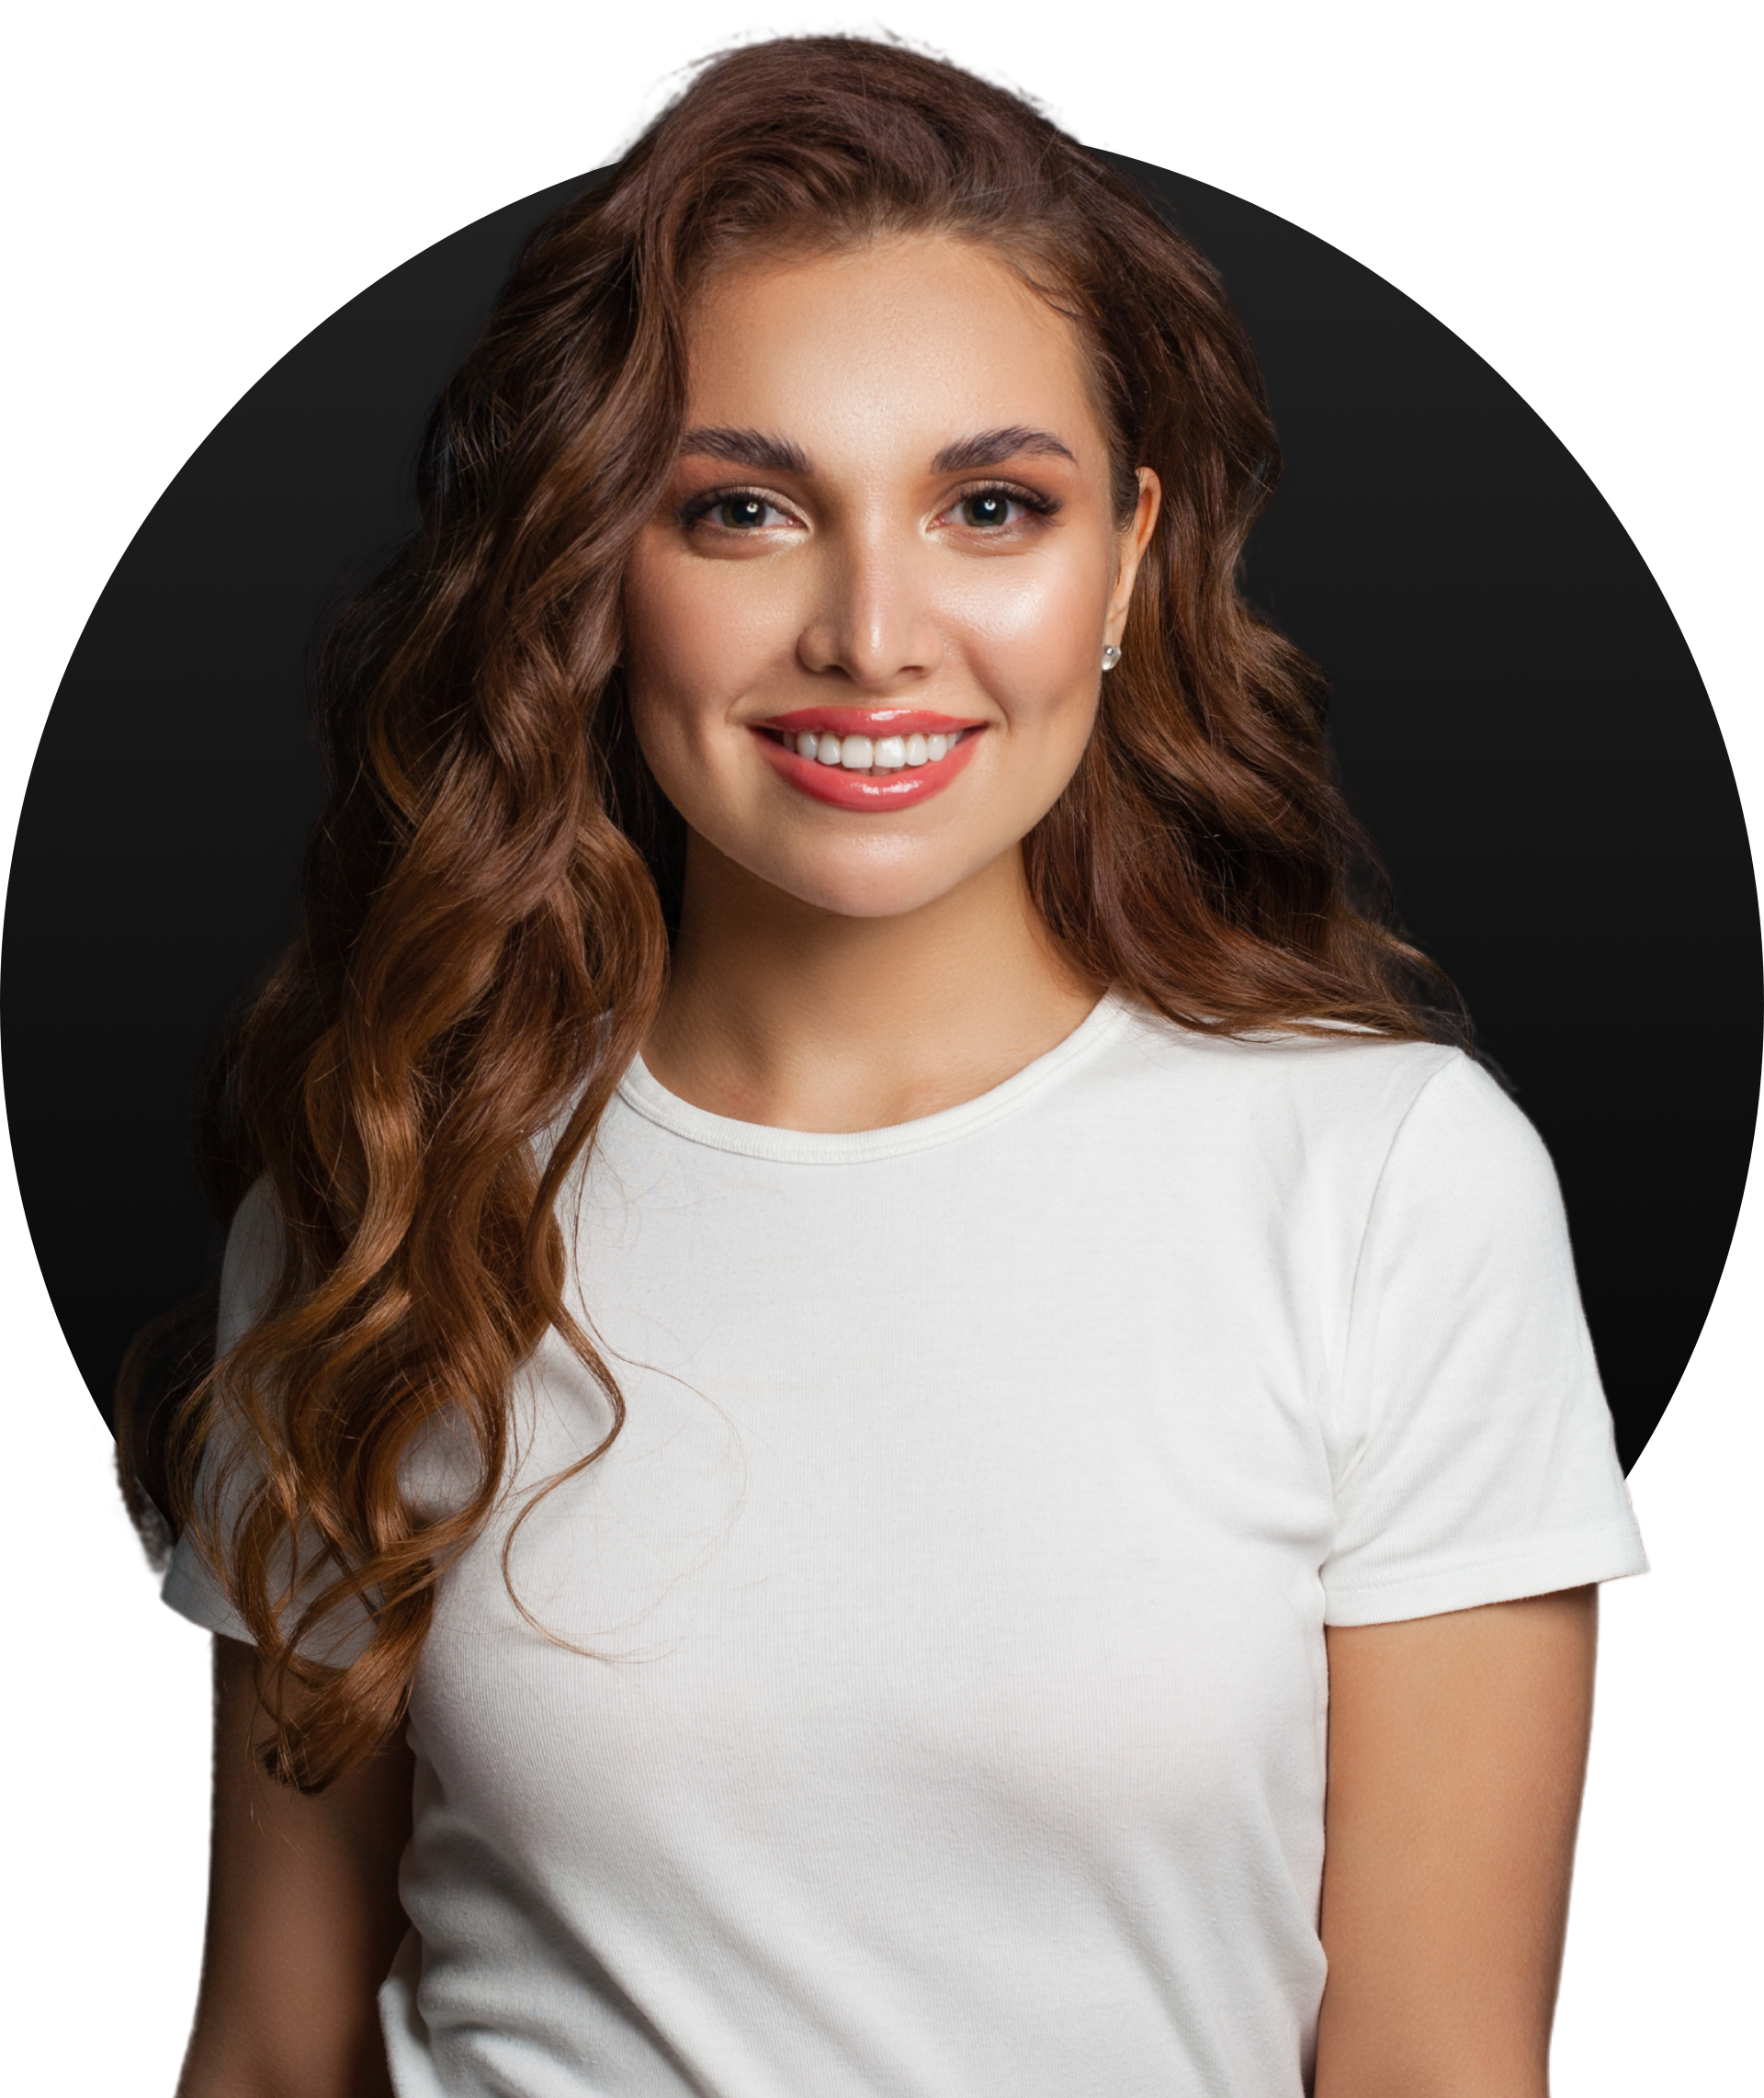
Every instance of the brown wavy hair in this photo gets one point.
(488, 894)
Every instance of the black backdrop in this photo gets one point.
(1607, 905)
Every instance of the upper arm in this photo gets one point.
(1457, 1749)
(303, 1916)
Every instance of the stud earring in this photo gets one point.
(1110, 656)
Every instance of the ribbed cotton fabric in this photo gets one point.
(952, 1718)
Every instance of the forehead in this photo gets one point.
(902, 343)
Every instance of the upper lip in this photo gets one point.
(866, 721)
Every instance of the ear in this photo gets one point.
(1131, 542)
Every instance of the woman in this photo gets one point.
(891, 1417)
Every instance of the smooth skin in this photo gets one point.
(303, 1916)
(837, 969)
(844, 969)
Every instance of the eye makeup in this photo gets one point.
(707, 502)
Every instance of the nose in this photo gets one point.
(875, 624)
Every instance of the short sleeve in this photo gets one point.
(248, 1276)
(1474, 1459)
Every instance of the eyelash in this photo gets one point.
(1032, 500)
(1037, 504)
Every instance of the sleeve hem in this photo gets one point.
(197, 1599)
(1609, 1552)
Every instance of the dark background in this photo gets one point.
(1599, 911)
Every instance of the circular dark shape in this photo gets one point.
(1516, 718)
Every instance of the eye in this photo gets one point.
(997, 508)
(744, 513)
(735, 510)
(991, 506)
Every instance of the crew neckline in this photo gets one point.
(645, 1094)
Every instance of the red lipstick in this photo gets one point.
(866, 721)
(899, 785)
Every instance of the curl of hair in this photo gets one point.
(488, 893)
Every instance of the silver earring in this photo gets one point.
(1110, 656)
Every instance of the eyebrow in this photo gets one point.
(992, 448)
(765, 454)
(748, 447)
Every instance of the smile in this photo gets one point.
(875, 758)
(873, 754)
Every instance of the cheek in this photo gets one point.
(697, 634)
(669, 663)
(1034, 632)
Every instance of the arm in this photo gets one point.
(303, 1917)
(1457, 1749)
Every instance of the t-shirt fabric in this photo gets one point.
(932, 1694)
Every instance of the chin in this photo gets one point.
(864, 896)
(867, 884)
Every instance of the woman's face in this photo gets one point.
(865, 630)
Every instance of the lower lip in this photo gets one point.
(875, 793)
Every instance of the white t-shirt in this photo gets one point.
(954, 1722)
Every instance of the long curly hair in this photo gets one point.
(489, 892)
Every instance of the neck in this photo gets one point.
(781, 1013)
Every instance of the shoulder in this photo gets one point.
(1461, 1119)
(1396, 1124)
(1346, 1083)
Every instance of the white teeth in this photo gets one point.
(867, 753)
